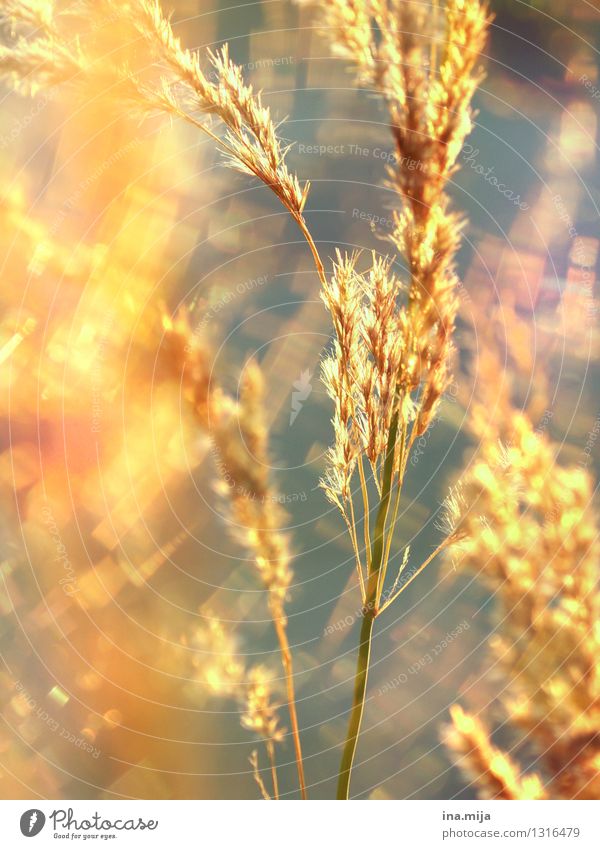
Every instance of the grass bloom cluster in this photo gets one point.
(391, 358)
(531, 536)
(45, 53)
(391, 362)
(218, 668)
(251, 142)
(493, 772)
(47, 50)
(240, 439)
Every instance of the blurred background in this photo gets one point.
(114, 546)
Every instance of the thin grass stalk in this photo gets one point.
(253, 760)
(369, 614)
(298, 218)
(286, 660)
(358, 704)
(444, 544)
(379, 38)
(271, 755)
(311, 244)
(352, 529)
(392, 525)
(365, 495)
(231, 429)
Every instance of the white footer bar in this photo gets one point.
(295, 825)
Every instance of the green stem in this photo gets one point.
(286, 660)
(360, 688)
(369, 614)
(380, 523)
(392, 525)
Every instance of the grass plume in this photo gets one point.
(240, 439)
(391, 358)
(218, 667)
(171, 83)
(531, 536)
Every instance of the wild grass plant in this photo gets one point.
(531, 536)
(391, 359)
(389, 364)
